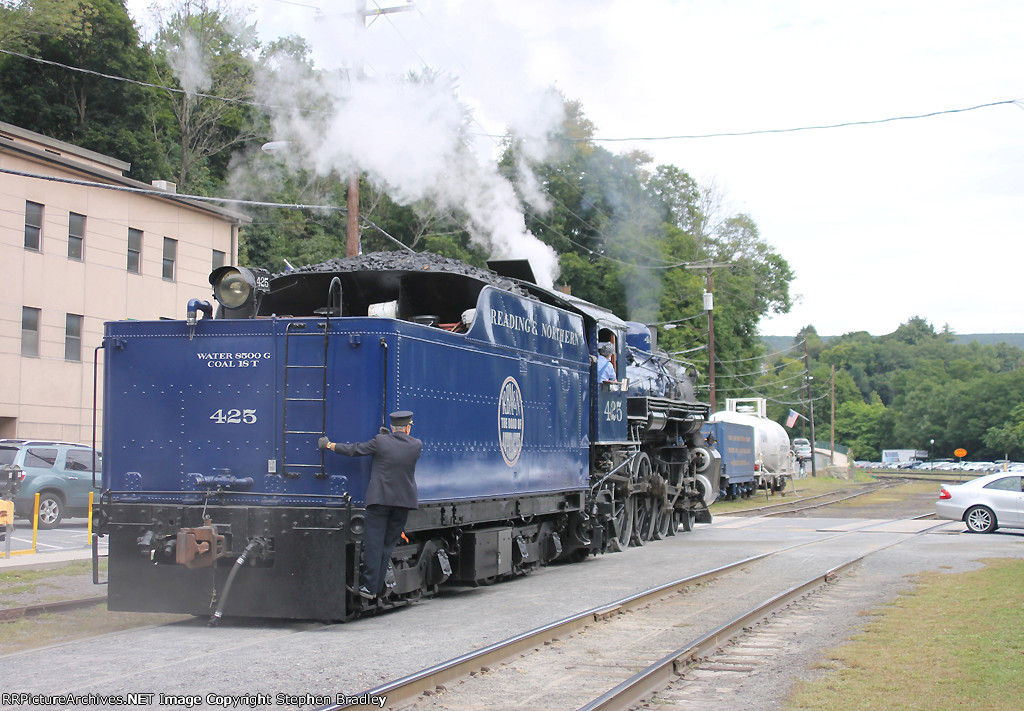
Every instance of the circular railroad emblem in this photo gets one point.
(510, 421)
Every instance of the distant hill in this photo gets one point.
(774, 344)
(985, 339)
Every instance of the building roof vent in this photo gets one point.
(166, 186)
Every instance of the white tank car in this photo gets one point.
(773, 457)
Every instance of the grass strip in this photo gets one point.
(953, 642)
(810, 486)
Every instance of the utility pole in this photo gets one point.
(833, 434)
(709, 306)
(814, 471)
(352, 223)
(807, 370)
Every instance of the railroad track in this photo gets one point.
(826, 499)
(10, 614)
(632, 649)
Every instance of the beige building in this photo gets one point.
(74, 255)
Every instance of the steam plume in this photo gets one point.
(414, 136)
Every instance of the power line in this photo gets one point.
(273, 106)
(766, 355)
(724, 134)
(771, 399)
(202, 198)
(763, 131)
(136, 82)
(675, 321)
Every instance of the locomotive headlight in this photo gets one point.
(238, 290)
(233, 289)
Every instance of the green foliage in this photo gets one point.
(22, 22)
(857, 426)
(915, 385)
(105, 115)
(1008, 438)
(209, 55)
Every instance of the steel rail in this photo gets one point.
(405, 689)
(408, 687)
(807, 498)
(11, 614)
(938, 477)
(825, 503)
(660, 674)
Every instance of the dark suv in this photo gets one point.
(60, 472)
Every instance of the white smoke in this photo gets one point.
(188, 62)
(410, 129)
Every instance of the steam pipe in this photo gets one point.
(253, 545)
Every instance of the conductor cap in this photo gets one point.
(400, 418)
(606, 348)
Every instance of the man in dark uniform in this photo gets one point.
(390, 496)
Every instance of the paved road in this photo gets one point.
(71, 535)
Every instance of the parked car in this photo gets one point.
(802, 448)
(985, 503)
(60, 472)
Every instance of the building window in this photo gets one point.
(76, 235)
(33, 226)
(170, 254)
(218, 259)
(134, 250)
(73, 338)
(29, 331)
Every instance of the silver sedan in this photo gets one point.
(985, 503)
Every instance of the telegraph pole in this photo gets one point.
(352, 223)
(807, 370)
(709, 306)
(810, 393)
(833, 438)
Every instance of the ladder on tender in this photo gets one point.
(305, 439)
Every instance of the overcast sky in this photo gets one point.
(879, 222)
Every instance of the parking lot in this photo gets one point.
(71, 534)
(946, 465)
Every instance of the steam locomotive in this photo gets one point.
(216, 499)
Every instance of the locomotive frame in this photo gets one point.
(217, 501)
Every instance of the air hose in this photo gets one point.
(253, 545)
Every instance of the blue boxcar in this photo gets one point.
(735, 444)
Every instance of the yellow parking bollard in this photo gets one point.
(35, 522)
(35, 531)
(6, 522)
